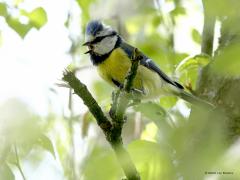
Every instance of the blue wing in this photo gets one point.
(148, 63)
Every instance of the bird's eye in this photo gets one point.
(90, 46)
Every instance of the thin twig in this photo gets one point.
(18, 162)
(70, 124)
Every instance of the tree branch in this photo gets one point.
(18, 162)
(208, 29)
(112, 129)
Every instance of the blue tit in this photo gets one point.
(112, 56)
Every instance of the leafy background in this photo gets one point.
(46, 131)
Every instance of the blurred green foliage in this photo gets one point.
(151, 160)
(164, 141)
(101, 161)
(231, 55)
(24, 21)
(22, 130)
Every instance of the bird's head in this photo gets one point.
(100, 39)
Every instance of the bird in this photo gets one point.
(111, 54)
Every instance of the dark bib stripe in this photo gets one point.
(116, 83)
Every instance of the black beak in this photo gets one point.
(88, 52)
(86, 43)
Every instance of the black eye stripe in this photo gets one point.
(98, 39)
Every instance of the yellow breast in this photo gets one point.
(116, 67)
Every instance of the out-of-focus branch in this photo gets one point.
(112, 129)
(208, 29)
(18, 162)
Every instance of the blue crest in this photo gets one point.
(93, 27)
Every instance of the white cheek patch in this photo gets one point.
(106, 45)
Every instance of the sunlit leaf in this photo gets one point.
(192, 62)
(156, 20)
(178, 11)
(17, 26)
(152, 110)
(196, 36)
(3, 9)
(168, 101)
(150, 132)
(187, 70)
(46, 143)
(37, 17)
(5, 172)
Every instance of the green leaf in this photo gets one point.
(152, 111)
(3, 10)
(187, 70)
(37, 17)
(17, 26)
(196, 36)
(178, 11)
(155, 113)
(46, 143)
(168, 101)
(156, 21)
(193, 62)
(151, 161)
(5, 172)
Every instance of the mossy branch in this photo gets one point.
(111, 128)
